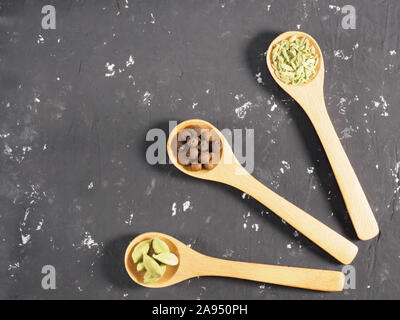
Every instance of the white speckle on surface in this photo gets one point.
(298, 26)
(130, 62)
(110, 70)
(268, 7)
(242, 110)
(347, 133)
(39, 226)
(151, 187)
(296, 233)
(340, 55)
(88, 241)
(310, 170)
(289, 246)
(392, 52)
(129, 220)
(25, 238)
(382, 105)
(274, 106)
(259, 79)
(147, 96)
(90, 185)
(153, 20)
(244, 195)
(228, 253)
(7, 150)
(186, 206)
(174, 209)
(335, 8)
(40, 39)
(255, 227)
(36, 99)
(15, 265)
(286, 164)
(194, 105)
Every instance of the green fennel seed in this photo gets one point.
(295, 60)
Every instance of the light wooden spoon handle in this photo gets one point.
(329, 240)
(314, 279)
(360, 212)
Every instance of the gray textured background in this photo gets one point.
(75, 186)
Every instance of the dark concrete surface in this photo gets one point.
(76, 104)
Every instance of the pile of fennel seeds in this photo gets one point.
(152, 256)
(295, 60)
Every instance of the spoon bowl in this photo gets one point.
(310, 96)
(319, 71)
(194, 264)
(227, 158)
(229, 171)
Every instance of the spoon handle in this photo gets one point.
(329, 240)
(356, 202)
(314, 279)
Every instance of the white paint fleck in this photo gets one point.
(110, 69)
(259, 79)
(186, 206)
(25, 238)
(151, 187)
(335, 8)
(310, 170)
(91, 185)
(286, 164)
(40, 39)
(340, 55)
(39, 226)
(153, 20)
(129, 220)
(88, 241)
(228, 253)
(347, 132)
(147, 96)
(130, 62)
(392, 52)
(174, 209)
(242, 110)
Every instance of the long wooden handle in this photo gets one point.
(314, 279)
(329, 240)
(360, 212)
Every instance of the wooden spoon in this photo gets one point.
(194, 264)
(229, 171)
(310, 96)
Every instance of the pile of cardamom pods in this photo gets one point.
(152, 256)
